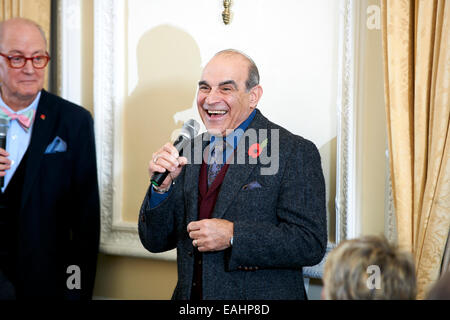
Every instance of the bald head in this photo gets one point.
(16, 23)
(25, 39)
(253, 73)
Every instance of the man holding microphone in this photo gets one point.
(239, 234)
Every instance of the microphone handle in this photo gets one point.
(159, 177)
(3, 146)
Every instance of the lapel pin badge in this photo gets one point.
(256, 149)
(43, 116)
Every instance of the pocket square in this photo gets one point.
(252, 185)
(57, 145)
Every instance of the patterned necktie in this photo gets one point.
(25, 119)
(216, 161)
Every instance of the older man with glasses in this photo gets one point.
(49, 202)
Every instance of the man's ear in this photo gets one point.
(254, 95)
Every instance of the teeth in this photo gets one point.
(216, 112)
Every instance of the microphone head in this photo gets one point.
(190, 128)
(4, 125)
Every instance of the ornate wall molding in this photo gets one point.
(117, 236)
(346, 220)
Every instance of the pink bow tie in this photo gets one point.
(25, 119)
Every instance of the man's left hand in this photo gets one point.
(211, 234)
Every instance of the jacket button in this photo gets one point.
(189, 253)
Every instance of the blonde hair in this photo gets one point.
(347, 271)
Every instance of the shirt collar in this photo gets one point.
(33, 105)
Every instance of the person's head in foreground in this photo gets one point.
(441, 289)
(369, 268)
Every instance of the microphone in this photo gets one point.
(189, 131)
(4, 125)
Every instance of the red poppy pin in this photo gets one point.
(43, 116)
(256, 149)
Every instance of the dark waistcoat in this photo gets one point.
(10, 202)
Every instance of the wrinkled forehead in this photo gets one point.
(21, 35)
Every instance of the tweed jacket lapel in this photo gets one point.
(237, 174)
(192, 175)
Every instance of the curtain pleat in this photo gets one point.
(416, 40)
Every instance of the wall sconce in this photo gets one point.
(226, 14)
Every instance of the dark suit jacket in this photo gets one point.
(58, 222)
(279, 222)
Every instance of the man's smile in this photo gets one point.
(215, 114)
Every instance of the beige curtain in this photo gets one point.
(416, 45)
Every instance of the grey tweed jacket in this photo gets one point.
(279, 220)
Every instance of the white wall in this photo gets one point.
(294, 45)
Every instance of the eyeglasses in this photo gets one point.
(19, 61)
